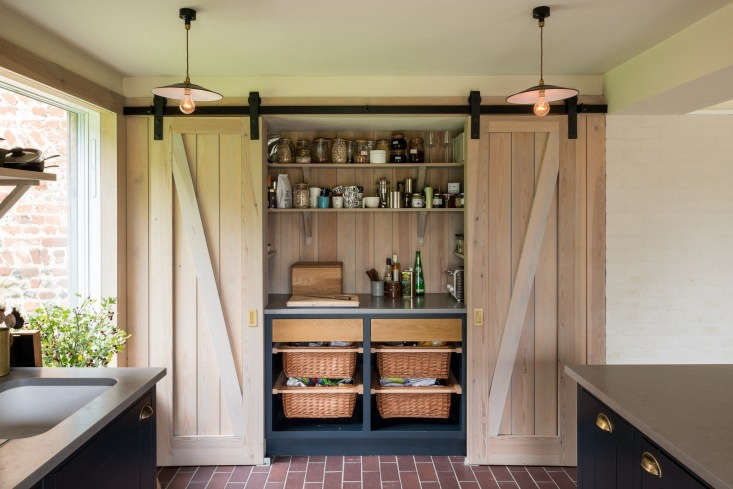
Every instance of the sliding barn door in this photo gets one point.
(194, 273)
(527, 251)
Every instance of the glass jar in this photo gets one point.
(350, 150)
(361, 153)
(321, 150)
(459, 244)
(284, 151)
(302, 151)
(418, 202)
(416, 150)
(398, 149)
(301, 196)
(338, 151)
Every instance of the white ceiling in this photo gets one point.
(379, 37)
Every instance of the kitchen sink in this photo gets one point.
(32, 406)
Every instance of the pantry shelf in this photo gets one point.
(364, 166)
(364, 210)
(281, 387)
(453, 387)
(317, 349)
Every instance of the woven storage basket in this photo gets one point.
(415, 364)
(330, 365)
(306, 405)
(414, 405)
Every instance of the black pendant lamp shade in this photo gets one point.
(541, 94)
(188, 93)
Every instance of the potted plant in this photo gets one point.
(85, 335)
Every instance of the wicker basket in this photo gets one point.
(417, 364)
(330, 365)
(318, 405)
(414, 405)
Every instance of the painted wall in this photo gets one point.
(669, 239)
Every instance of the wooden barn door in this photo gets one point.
(201, 261)
(526, 235)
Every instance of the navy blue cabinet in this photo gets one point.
(612, 454)
(121, 456)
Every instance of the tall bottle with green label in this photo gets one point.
(419, 277)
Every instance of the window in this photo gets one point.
(49, 241)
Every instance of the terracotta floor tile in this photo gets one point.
(332, 480)
(315, 472)
(273, 485)
(196, 485)
(426, 472)
(298, 463)
(469, 485)
(423, 458)
(180, 480)
(295, 480)
(225, 468)
(516, 468)
(464, 473)
(572, 472)
(387, 458)
(538, 474)
(546, 485)
(203, 474)
(165, 475)
(371, 480)
(409, 480)
(352, 471)
(390, 485)
(352, 458)
(524, 480)
(562, 480)
(481, 468)
(279, 471)
(508, 485)
(334, 463)
(501, 473)
(313, 485)
(447, 480)
(218, 480)
(486, 479)
(389, 472)
(241, 473)
(317, 458)
(442, 464)
(459, 458)
(256, 480)
(188, 468)
(235, 485)
(352, 485)
(430, 485)
(369, 463)
(405, 464)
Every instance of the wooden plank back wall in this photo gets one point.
(363, 241)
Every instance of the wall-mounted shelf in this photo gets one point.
(421, 216)
(22, 180)
(364, 166)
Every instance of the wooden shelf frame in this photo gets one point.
(364, 166)
(416, 349)
(316, 349)
(357, 387)
(22, 180)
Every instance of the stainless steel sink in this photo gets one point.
(29, 407)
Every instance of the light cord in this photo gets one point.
(542, 53)
(188, 79)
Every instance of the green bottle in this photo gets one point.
(419, 277)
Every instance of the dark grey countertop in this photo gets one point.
(428, 304)
(685, 409)
(25, 461)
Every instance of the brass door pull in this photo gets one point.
(603, 423)
(650, 464)
(146, 412)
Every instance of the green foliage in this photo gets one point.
(81, 336)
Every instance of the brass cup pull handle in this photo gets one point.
(650, 464)
(146, 412)
(604, 423)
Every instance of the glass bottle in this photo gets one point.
(419, 277)
(388, 278)
(396, 278)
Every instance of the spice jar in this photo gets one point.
(301, 197)
(361, 155)
(398, 149)
(302, 151)
(416, 150)
(284, 151)
(338, 151)
(321, 150)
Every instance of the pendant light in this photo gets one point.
(187, 92)
(541, 95)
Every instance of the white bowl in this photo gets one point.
(377, 156)
(371, 202)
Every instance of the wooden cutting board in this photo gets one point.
(341, 300)
(316, 278)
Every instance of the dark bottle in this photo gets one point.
(388, 278)
(419, 277)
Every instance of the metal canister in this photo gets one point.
(395, 199)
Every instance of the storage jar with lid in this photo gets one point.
(361, 154)
(418, 201)
(384, 144)
(398, 149)
(321, 150)
(284, 151)
(338, 151)
(459, 244)
(302, 151)
(416, 150)
(301, 197)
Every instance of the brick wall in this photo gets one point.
(34, 255)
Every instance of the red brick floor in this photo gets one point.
(403, 472)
